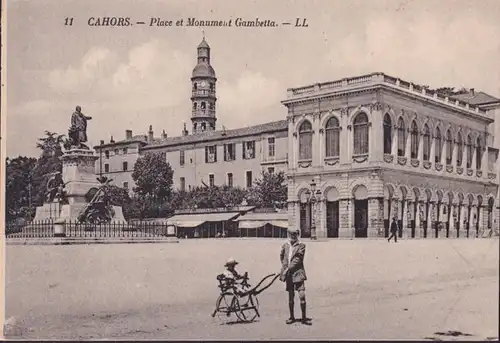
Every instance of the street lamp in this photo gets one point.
(313, 197)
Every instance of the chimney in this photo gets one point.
(163, 135)
(150, 134)
(185, 132)
(111, 140)
(128, 134)
(102, 142)
(471, 91)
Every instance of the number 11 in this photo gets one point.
(68, 21)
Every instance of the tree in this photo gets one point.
(269, 191)
(17, 187)
(48, 163)
(153, 177)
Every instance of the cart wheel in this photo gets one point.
(248, 308)
(223, 306)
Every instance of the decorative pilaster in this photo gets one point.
(482, 220)
(345, 210)
(394, 145)
(405, 216)
(484, 164)
(321, 219)
(452, 232)
(408, 145)
(461, 232)
(432, 156)
(409, 214)
(472, 221)
(474, 154)
(373, 215)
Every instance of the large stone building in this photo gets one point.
(363, 150)
(357, 152)
(205, 156)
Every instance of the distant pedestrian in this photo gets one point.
(293, 273)
(394, 230)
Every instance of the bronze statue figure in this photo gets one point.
(77, 132)
(99, 210)
(55, 188)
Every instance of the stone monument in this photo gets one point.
(78, 179)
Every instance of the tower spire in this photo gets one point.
(203, 97)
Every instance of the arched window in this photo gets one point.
(469, 151)
(479, 153)
(449, 148)
(438, 146)
(203, 106)
(387, 134)
(305, 141)
(414, 140)
(361, 134)
(194, 105)
(427, 143)
(460, 149)
(332, 137)
(401, 137)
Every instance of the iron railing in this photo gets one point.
(45, 229)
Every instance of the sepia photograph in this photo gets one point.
(251, 170)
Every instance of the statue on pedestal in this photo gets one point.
(77, 132)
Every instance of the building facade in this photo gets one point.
(366, 149)
(357, 152)
(205, 156)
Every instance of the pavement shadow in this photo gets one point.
(239, 322)
(449, 333)
(453, 333)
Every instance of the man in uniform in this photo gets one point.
(293, 273)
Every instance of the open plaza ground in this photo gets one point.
(356, 289)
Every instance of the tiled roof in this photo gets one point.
(479, 98)
(280, 125)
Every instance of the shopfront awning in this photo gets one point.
(280, 223)
(194, 220)
(256, 220)
(251, 224)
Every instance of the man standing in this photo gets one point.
(394, 230)
(78, 128)
(293, 273)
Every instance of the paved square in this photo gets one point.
(357, 289)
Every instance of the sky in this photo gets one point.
(133, 77)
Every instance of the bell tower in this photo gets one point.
(203, 96)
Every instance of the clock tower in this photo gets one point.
(203, 92)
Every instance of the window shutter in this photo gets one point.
(215, 153)
(206, 154)
(225, 152)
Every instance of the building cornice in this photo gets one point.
(375, 81)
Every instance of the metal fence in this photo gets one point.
(45, 229)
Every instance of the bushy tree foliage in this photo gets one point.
(153, 177)
(17, 192)
(268, 191)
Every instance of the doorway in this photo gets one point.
(332, 219)
(361, 218)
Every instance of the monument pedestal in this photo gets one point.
(78, 174)
(49, 211)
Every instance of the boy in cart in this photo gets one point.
(232, 276)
